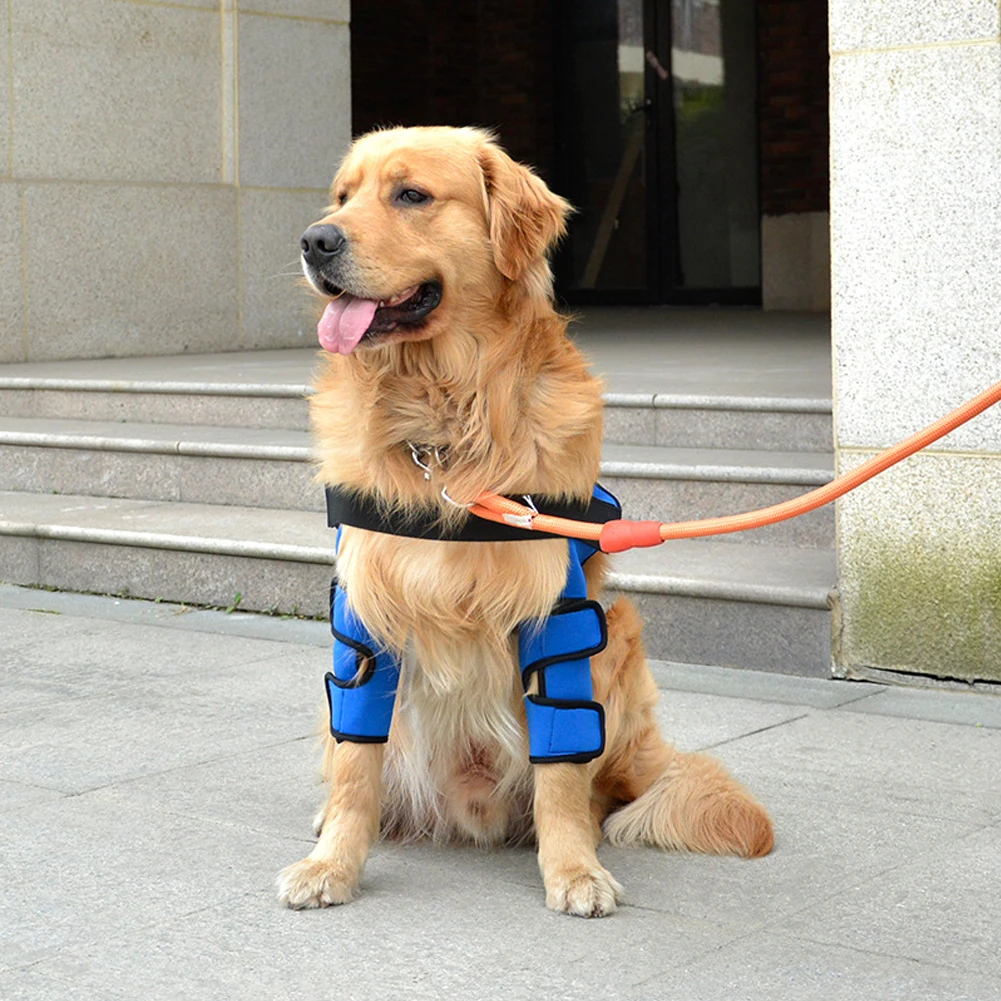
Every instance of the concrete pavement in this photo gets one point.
(158, 767)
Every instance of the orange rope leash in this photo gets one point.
(618, 536)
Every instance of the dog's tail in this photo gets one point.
(674, 799)
(694, 805)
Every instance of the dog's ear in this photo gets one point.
(525, 217)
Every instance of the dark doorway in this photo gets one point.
(457, 62)
(641, 112)
(656, 132)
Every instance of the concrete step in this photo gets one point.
(679, 484)
(225, 404)
(247, 467)
(198, 553)
(768, 423)
(267, 389)
(764, 423)
(734, 604)
(253, 467)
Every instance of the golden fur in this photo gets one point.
(492, 376)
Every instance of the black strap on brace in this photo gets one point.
(348, 507)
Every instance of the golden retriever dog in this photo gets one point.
(439, 328)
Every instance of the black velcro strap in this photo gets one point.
(348, 507)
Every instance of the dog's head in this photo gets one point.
(427, 225)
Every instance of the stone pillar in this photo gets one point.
(157, 165)
(916, 248)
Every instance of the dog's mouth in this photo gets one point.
(349, 320)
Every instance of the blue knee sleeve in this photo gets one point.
(564, 722)
(361, 689)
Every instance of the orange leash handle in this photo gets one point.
(618, 536)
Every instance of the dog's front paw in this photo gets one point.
(315, 883)
(588, 892)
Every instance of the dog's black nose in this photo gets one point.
(320, 244)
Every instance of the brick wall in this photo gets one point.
(793, 95)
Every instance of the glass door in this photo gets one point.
(657, 149)
(603, 147)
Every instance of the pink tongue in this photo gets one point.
(344, 323)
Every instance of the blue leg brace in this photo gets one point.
(564, 723)
(361, 689)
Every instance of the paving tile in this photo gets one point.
(98, 657)
(27, 985)
(16, 795)
(67, 607)
(90, 867)
(420, 930)
(25, 626)
(276, 790)
(695, 721)
(24, 693)
(823, 844)
(877, 763)
(964, 708)
(94, 742)
(821, 693)
(106, 702)
(938, 907)
(770, 966)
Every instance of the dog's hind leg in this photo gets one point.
(673, 799)
(330, 873)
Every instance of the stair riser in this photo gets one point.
(281, 586)
(283, 485)
(710, 428)
(685, 500)
(286, 413)
(783, 639)
(777, 638)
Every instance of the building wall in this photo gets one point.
(158, 162)
(793, 115)
(916, 226)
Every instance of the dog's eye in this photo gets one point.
(342, 198)
(413, 196)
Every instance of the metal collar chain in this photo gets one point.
(424, 455)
